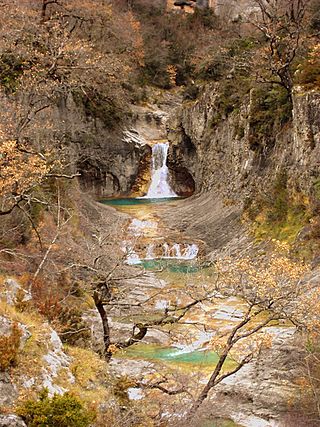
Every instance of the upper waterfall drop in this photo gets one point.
(159, 186)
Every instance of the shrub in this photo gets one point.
(63, 411)
(191, 92)
(97, 105)
(11, 68)
(230, 97)
(233, 59)
(205, 18)
(271, 108)
(9, 348)
(308, 73)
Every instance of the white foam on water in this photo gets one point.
(159, 186)
(204, 337)
(150, 251)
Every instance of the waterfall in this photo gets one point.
(132, 257)
(191, 252)
(176, 250)
(159, 187)
(150, 254)
(166, 250)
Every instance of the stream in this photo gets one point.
(176, 261)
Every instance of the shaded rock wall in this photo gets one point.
(113, 159)
(107, 158)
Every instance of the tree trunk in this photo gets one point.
(105, 325)
(210, 384)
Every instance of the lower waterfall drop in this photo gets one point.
(159, 187)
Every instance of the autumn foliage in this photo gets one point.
(9, 347)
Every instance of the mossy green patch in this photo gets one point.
(271, 108)
(278, 216)
(11, 68)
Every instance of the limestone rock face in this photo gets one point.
(11, 421)
(262, 389)
(8, 391)
(6, 328)
(108, 158)
(14, 291)
(222, 159)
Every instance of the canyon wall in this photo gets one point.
(223, 157)
(111, 160)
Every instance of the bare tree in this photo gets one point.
(272, 290)
(281, 22)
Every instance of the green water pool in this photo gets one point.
(172, 355)
(171, 265)
(137, 201)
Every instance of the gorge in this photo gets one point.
(159, 214)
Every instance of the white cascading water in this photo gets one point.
(188, 252)
(166, 250)
(132, 257)
(159, 187)
(176, 250)
(150, 254)
(191, 251)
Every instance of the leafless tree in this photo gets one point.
(281, 22)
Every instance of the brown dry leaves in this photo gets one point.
(19, 171)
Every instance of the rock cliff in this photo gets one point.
(222, 158)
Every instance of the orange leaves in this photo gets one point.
(9, 347)
(19, 171)
(264, 279)
(137, 42)
(172, 73)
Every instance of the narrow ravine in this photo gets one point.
(176, 269)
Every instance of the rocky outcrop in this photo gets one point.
(11, 421)
(260, 391)
(112, 155)
(52, 361)
(108, 159)
(8, 391)
(15, 293)
(221, 157)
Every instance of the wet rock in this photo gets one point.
(11, 421)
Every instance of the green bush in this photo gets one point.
(233, 59)
(230, 97)
(205, 18)
(58, 411)
(11, 68)
(271, 108)
(97, 105)
(191, 92)
(279, 201)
